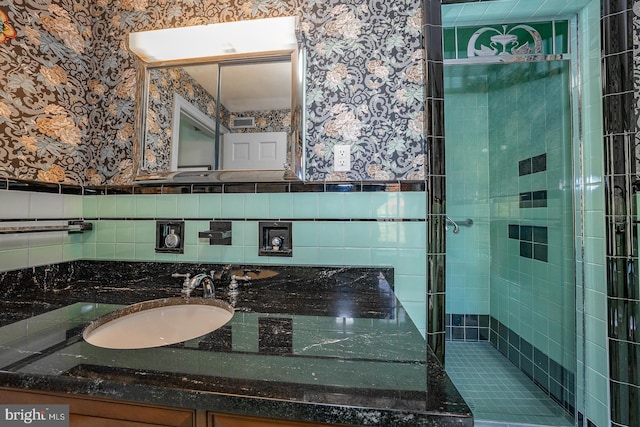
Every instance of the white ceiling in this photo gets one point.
(258, 86)
(255, 86)
(205, 75)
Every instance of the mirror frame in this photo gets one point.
(293, 170)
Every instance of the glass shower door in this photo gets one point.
(511, 274)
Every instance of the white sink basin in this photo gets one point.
(158, 322)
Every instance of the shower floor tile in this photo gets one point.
(497, 392)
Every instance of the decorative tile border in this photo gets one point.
(217, 188)
(494, 42)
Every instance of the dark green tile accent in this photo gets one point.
(535, 364)
(526, 249)
(457, 320)
(539, 163)
(467, 327)
(532, 165)
(526, 233)
(533, 241)
(526, 200)
(540, 252)
(524, 167)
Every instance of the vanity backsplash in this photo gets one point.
(357, 291)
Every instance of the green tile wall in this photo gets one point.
(34, 249)
(365, 229)
(467, 166)
(593, 361)
(497, 116)
(529, 115)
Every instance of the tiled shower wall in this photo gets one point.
(532, 257)
(467, 130)
(347, 226)
(592, 363)
(594, 408)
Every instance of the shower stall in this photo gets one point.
(511, 285)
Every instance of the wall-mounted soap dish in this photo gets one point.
(275, 239)
(170, 236)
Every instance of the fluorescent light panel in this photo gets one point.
(214, 40)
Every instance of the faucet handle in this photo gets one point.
(186, 276)
(186, 290)
(234, 279)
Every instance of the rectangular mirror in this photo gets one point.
(227, 115)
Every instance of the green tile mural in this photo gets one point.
(542, 38)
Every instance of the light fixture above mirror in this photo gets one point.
(220, 102)
(255, 37)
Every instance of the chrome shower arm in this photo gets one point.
(456, 227)
(457, 224)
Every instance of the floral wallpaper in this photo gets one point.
(266, 121)
(365, 88)
(67, 83)
(45, 79)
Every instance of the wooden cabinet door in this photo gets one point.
(91, 412)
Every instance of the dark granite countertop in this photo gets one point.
(318, 344)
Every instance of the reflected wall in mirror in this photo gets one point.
(180, 105)
(198, 116)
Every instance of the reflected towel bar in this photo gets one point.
(71, 227)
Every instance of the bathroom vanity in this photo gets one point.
(305, 346)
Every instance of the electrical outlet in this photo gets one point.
(341, 158)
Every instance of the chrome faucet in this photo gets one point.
(225, 274)
(233, 285)
(190, 283)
